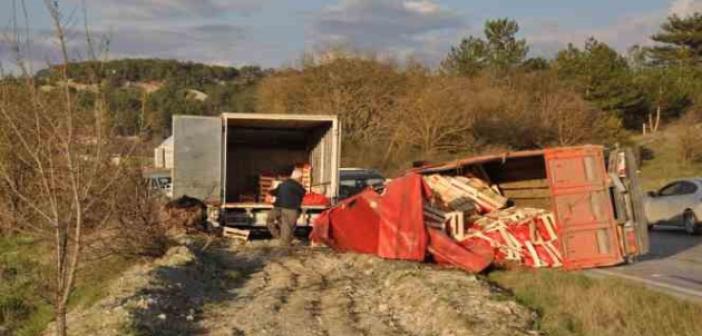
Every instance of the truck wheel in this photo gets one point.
(692, 226)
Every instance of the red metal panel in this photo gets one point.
(581, 203)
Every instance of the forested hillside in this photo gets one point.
(143, 94)
(487, 94)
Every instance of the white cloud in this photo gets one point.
(193, 30)
(546, 37)
(685, 7)
(420, 28)
(142, 10)
(422, 6)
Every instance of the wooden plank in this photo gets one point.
(237, 234)
(456, 224)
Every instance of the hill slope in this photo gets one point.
(662, 159)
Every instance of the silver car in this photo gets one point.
(679, 203)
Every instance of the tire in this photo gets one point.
(692, 225)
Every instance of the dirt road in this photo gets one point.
(318, 292)
(254, 289)
(674, 264)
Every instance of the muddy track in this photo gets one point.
(319, 292)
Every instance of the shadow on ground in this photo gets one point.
(175, 298)
(670, 241)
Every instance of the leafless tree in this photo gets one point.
(59, 168)
(435, 116)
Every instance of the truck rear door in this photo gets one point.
(325, 158)
(583, 208)
(197, 156)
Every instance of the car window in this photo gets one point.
(687, 188)
(375, 181)
(670, 190)
(348, 183)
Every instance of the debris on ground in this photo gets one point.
(459, 221)
(186, 213)
(525, 236)
(473, 213)
(393, 226)
(234, 233)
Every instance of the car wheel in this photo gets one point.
(691, 224)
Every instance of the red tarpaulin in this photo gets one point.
(392, 226)
(351, 225)
(402, 232)
(446, 251)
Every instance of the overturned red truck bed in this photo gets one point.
(597, 210)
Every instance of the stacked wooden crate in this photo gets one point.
(266, 182)
(524, 235)
(461, 192)
(469, 211)
(306, 175)
(434, 217)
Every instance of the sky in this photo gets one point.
(275, 33)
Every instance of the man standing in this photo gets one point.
(288, 200)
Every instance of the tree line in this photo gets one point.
(636, 91)
(142, 95)
(488, 95)
(647, 85)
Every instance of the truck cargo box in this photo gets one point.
(597, 228)
(220, 160)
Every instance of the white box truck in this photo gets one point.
(219, 159)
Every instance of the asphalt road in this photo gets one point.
(674, 264)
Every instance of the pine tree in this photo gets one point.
(468, 58)
(500, 51)
(604, 78)
(680, 39)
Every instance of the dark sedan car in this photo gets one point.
(354, 180)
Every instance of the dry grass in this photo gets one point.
(664, 162)
(574, 304)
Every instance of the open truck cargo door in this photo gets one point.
(197, 169)
(583, 207)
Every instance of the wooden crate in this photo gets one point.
(456, 225)
(237, 234)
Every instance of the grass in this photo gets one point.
(665, 163)
(574, 304)
(92, 286)
(25, 307)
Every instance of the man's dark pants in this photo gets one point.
(281, 223)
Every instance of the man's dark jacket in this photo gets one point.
(289, 195)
